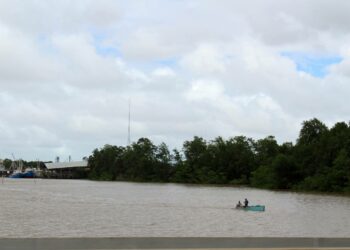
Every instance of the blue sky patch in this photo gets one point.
(107, 50)
(150, 65)
(170, 62)
(45, 44)
(315, 65)
(103, 49)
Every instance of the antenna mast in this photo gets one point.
(129, 125)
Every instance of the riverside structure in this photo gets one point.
(67, 170)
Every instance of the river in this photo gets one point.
(81, 208)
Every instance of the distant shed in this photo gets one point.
(65, 165)
(67, 170)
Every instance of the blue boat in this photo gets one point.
(257, 208)
(16, 174)
(29, 173)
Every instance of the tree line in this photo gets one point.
(318, 161)
(8, 164)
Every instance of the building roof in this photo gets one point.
(71, 164)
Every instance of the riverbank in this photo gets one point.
(173, 243)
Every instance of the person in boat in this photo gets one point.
(246, 202)
(239, 204)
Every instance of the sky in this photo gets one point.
(189, 67)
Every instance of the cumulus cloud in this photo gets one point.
(59, 16)
(163, 72)
(205, 59)
(207, 68)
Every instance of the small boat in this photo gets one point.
(257, 208)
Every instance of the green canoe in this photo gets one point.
(258, 208)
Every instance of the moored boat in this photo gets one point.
(28, 173)
(16, 174)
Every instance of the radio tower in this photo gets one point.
(129, 125)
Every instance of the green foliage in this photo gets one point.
(311, 131)
(7, 163)
(142, 161)
(104, 162)
(263, 177)
(266, 150)
(319, 161)
(280, 174)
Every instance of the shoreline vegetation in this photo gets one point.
(318, 162)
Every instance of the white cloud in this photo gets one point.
(163, 72)
(59, 16)
(86, 124)
(204, 90)
(147, 44)
(208, 68)
(205, 59)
